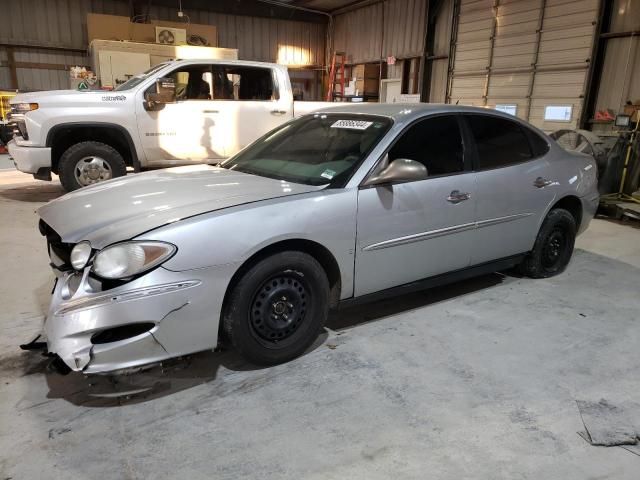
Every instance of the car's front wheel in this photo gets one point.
(278, 307)
(86, 163)
(553, 247)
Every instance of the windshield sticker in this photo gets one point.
(352, 124)
(328, 174)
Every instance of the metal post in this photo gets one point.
(494, 27)
(534, 64)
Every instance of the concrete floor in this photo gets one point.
(475, 380)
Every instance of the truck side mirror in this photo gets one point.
(165, 93)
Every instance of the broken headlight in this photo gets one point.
(128, 259)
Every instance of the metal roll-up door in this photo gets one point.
(524, 56)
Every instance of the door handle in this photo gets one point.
(211, 111)
(541, 182)
(457, 196)
(278, 112)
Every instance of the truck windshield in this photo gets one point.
(137, 79)
(319, 149)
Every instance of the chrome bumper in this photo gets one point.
(181, 310)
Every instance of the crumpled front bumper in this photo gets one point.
(180, 312)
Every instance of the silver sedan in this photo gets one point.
(342, 206)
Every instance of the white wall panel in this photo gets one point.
(390, 27)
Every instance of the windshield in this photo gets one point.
(137, 79)
(320, 149)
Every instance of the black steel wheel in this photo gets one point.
(553, 247)
(278, 307)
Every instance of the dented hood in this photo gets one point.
(123, 208)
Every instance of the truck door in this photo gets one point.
(189, 130)
(247, 104)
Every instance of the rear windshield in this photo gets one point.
(319, 149)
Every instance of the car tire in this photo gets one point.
(86, 163)
(277, 309)
(553, 247)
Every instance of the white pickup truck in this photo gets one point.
(178, 112)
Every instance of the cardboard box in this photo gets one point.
(116, 27)
(365, 71)
(369, 86)
(632, 111)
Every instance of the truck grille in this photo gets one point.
(59, 252)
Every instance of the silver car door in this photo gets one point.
(515, 187)
(410, 231)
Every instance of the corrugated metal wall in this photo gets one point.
(529, 53)
(387, 28)
(62, 23)
(621, 69)
(262, 39)
(441, 45)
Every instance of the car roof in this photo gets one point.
(401, 112)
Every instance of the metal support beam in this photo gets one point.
(60, 48)
(534, 64)
(597, 61)
(452, 48)
(13, 73)
(494, 28)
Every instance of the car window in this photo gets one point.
(320, 149)
(435, 142)
(539, 146)
(193, 82)
(242, 83)
(499, 142)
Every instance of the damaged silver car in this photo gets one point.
(336, 207)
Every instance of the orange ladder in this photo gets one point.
(333, 80)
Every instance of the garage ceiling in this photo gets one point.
(303, 10)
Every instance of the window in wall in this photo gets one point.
(499, 142)
(558, 113)
(510, 109)
(434, 142)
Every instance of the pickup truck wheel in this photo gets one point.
(86, 163)
(277, 309)
(554, 246)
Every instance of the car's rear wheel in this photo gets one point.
(553, 247)
(86, 163)
(277, 309)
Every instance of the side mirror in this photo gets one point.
(165, 93)
(399, 170)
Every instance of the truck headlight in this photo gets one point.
(23, 107)
(127, 259)
(80, 255)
